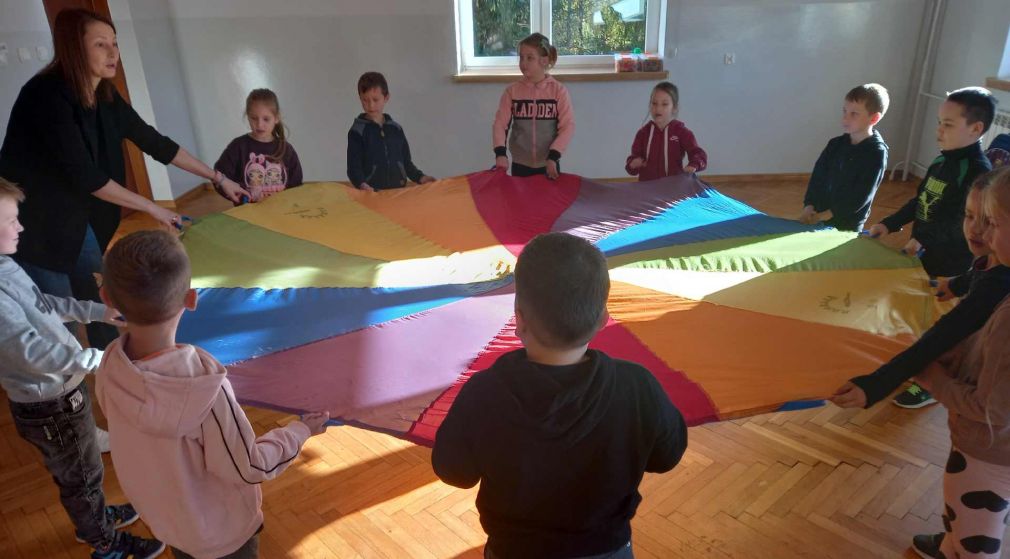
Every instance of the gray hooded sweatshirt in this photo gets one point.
(40, 359)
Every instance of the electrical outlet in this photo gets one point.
(729, 58)
(43, 52)
(24, 54)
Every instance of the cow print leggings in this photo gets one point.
(976, 514)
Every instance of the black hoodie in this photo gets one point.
(845, 179)
(559, 451)
(938, 210)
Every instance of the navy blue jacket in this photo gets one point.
(379, 155)
(987, 289)
(845, 180)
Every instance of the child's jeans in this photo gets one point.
(249, 550)
(63, 429)
(976, 496)
(524, 171)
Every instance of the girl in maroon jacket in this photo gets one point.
(660, 146)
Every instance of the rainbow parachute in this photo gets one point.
(379, 306)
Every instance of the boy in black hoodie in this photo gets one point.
(378, 155)
(849, 170)
(938, 207)
(559, 435)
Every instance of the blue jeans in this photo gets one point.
(80, 284)
(64, 431)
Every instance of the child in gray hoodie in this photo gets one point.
(42, 368)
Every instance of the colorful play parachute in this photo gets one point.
(379, 306)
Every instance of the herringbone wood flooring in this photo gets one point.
(823, 482)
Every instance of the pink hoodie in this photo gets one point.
(537, 118)
(184, 451)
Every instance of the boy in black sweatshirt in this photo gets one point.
(558, 435)
(378, 155)
(849, 170)
(938, 208)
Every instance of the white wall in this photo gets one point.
(969, 50)
(158, 51)
(22, 24)
(140, 97)
(771, 112)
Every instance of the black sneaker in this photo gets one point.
(120, 516)
(928, 545)
(128, 546)
(914, 397)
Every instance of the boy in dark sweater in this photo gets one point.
(982, 287)
(849, 170)
(559, 435)
(938, 208)
(378, 155)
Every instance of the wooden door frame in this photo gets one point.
(137, 179)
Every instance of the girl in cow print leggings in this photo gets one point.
(973, 382)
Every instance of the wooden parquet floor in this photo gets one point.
(823, 482)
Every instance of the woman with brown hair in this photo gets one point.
(64, 147)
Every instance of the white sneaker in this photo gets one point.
(102, 439)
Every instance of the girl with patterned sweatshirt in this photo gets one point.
(973, 382)
(262, 161)
(535, 114)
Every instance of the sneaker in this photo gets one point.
(102, 440)
(120, 516)
(128, 546)
(914, 397)
(928, 545)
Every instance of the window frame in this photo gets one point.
(540, 20)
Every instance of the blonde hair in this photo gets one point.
(997, 191)
(543, 45)
(873, 96)
(10, 191)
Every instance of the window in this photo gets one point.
(586, 33)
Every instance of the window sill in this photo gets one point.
(997, 83)
(572, 75)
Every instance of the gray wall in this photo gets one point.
(771, 112)
(158, 49)
(969, 50)
(22, 24)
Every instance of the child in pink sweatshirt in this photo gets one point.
(535, 113)
(660, 146)
(181, 445)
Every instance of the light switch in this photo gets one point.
(42, 51)
(3, 54)
(24, 54)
